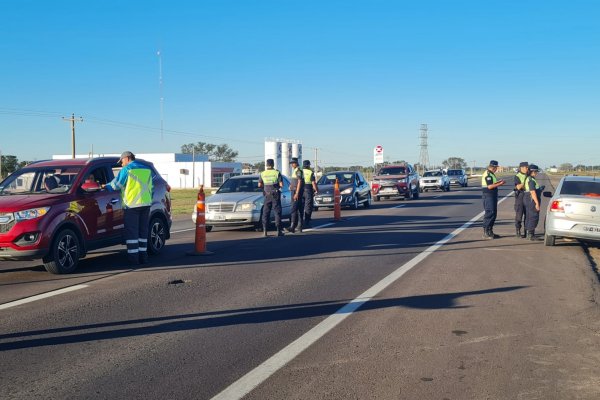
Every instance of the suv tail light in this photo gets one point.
(168, 188)
(557, 206)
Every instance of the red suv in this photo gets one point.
(56, 211)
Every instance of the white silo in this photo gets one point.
(297, 152)
(286, 155)
(273, 150)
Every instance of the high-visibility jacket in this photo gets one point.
(531, 184)
(522, 178)
(135, 183)
(309, 176)
(270, 177)
(484, 183)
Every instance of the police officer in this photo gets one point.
(134, 181)
(271, 182)
(520, 212)
(489, 187)
(297, 191)
(532, 202)
(310, 189)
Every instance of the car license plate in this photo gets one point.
(588, 228)
(216, 217)
(327, 199)
(388, 190)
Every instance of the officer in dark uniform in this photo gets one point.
(489, 187)
(310, 189)
(532, 202)
(271, 182)
(297, 191)
(519, 196)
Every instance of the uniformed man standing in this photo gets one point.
(310, 189)
(297, 191)
(271, 182)
(532, 202)
(519, 197)
(135, 183)
(489, 187)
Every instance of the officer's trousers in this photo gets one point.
(490, 205)
(297, 216)
(520, 211)
(136, 233)
(532, 216)
(272, 201)
(308, 204)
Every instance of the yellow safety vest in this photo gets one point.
(521, 177)
(308, 174)
(138, 189)
(485, 174)
(270, 177)
(528, 185)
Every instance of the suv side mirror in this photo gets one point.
(547, 194)
(90, 187)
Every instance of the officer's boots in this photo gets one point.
(279, 231)
(486, 233)
(531, 236)
(265, 231)
(493, 235)
(519, 233)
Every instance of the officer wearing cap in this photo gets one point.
(297, 190)
(489, 188)
(519, 197)
(134, 181)
(532, 201)
(271, 182)
(310, 189)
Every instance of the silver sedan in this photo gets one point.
(574, 210)
(239, 202)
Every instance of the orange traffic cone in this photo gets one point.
(200, 240)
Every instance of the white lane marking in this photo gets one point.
(41, 296)
(184, 230)
(261, 373)
(400, 206)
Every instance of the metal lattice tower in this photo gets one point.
(424, 158)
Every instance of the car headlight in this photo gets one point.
(246, 207)
(31, 213)
(347, 191)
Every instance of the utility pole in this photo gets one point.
(1, 176)
(73, 120)
(316, 161)
(162, 99)
(472, 166)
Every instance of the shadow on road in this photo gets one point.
(213, 319)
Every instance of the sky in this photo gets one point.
(504, 80)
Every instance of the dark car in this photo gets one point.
(354, 190)
(396, 181)
(458, 177)
(56, 211)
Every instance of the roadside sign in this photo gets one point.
(378, 155)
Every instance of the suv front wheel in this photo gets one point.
(64, 253)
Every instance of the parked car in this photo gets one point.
(434, 180)
(458, 177)
(396, 181)
(238, 202)
(56, 211)
(574, 210)
(354, 190)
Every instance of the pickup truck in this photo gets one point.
(400, 180)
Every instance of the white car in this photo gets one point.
(239, 202)
(434, 180)
(574, 210)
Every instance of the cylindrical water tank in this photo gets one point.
(286, 155)
(297, 152)
(273, 151)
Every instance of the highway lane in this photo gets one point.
(133, 334)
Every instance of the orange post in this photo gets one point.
(337, 199)
(200, 242)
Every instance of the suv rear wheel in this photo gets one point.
(64, 253)
(156, 235)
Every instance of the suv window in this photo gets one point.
(580, 188)
(392, 171)
(40, 180)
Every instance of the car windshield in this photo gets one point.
(581, 188)
(240, 185)
(454, 172)
(39, 180)
(432, 173)
(392, 171)
(343, 179)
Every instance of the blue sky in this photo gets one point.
(505, 80)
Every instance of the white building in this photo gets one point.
(181, 171)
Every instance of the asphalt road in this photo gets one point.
(400, 301)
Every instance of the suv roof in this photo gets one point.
(70, 161)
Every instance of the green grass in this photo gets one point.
(183, 201)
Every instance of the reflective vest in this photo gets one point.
(308, 175)
(522, 178)
(531, 184)
(270, 177)
(138, 189)
(485, 175)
